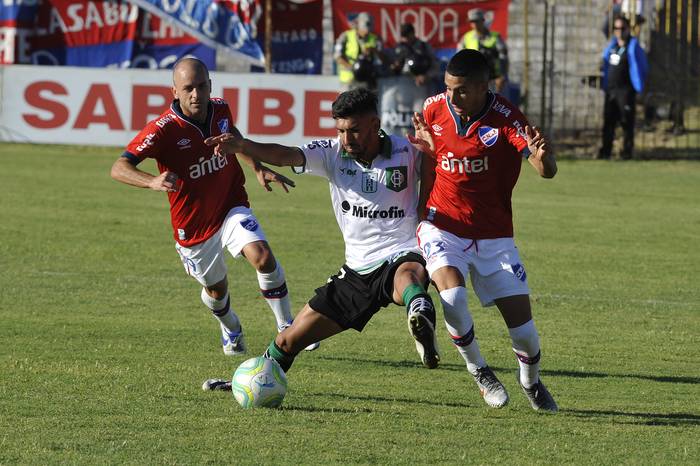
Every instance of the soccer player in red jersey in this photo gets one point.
(209, 206)
(477, 140)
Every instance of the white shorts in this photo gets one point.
(206, 262)
(493, 265)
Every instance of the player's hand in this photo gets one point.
(226, 143)
(537, 143)
(266, 176)
(166, 181)
(423, 139)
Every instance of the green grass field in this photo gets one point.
(104, 342)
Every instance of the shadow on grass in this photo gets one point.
(316, 409)
(381, 399)
(649, 419)
(553, 372)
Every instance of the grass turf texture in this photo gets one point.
(104, 342)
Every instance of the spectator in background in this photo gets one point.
(491, 45)
(624, 70)
(414, 57)
(415, 70)
(358, 53)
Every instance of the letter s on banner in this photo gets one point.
(33, 96)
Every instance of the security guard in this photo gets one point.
(357, 52)
(491, 45)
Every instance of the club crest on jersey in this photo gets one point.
(369, 181)
(488, 135)
(249, 224)
(223, 125)
(397, 178)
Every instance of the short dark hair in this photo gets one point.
(469, 64)
(407, 29)
(355, 102)
(623, 18)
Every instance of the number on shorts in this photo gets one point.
(433, 248)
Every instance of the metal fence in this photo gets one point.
(556, 47)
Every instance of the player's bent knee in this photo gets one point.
(260, 256)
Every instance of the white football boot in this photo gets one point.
(233, 342)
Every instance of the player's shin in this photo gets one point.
(460, 325)
(221, 308)
(526, 344)
(284, 359)
(273, 287)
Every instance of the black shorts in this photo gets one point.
(351, 299)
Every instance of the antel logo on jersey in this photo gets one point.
(488, 135)
(368, 212)
(207, 166)
(451, 164)
(223, 125)
(147, 142)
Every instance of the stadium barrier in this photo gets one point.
(65, 105)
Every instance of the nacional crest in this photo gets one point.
(397, 178)
(223, 125)
(249, 224)
(488, 135)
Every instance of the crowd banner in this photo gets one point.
(231, 26)
(440, 24)
(68, 105)
(92, 33)
(297, 36)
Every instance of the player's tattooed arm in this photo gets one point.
(541, 154)
(274, 154)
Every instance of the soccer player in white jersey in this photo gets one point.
(374, 181)
(477, 141)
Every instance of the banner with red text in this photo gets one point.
(67, 105)
(440, 24)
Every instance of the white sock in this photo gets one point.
(274, 289)
(526, 344)
(460, 325)
(221, 308)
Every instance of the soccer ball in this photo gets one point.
(259, 382)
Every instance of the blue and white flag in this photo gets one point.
(228, 25)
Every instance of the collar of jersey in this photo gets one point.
(384, 147)
(203, 128)
(464, 130)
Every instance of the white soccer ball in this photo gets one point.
(259, 382)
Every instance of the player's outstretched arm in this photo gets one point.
(124, 171)
(274, 154)
(541, 155)
(266, 175)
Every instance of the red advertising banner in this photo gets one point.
(442, 25)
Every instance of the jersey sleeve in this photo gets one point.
(317, 158)
(515, 131)
(144, 145)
